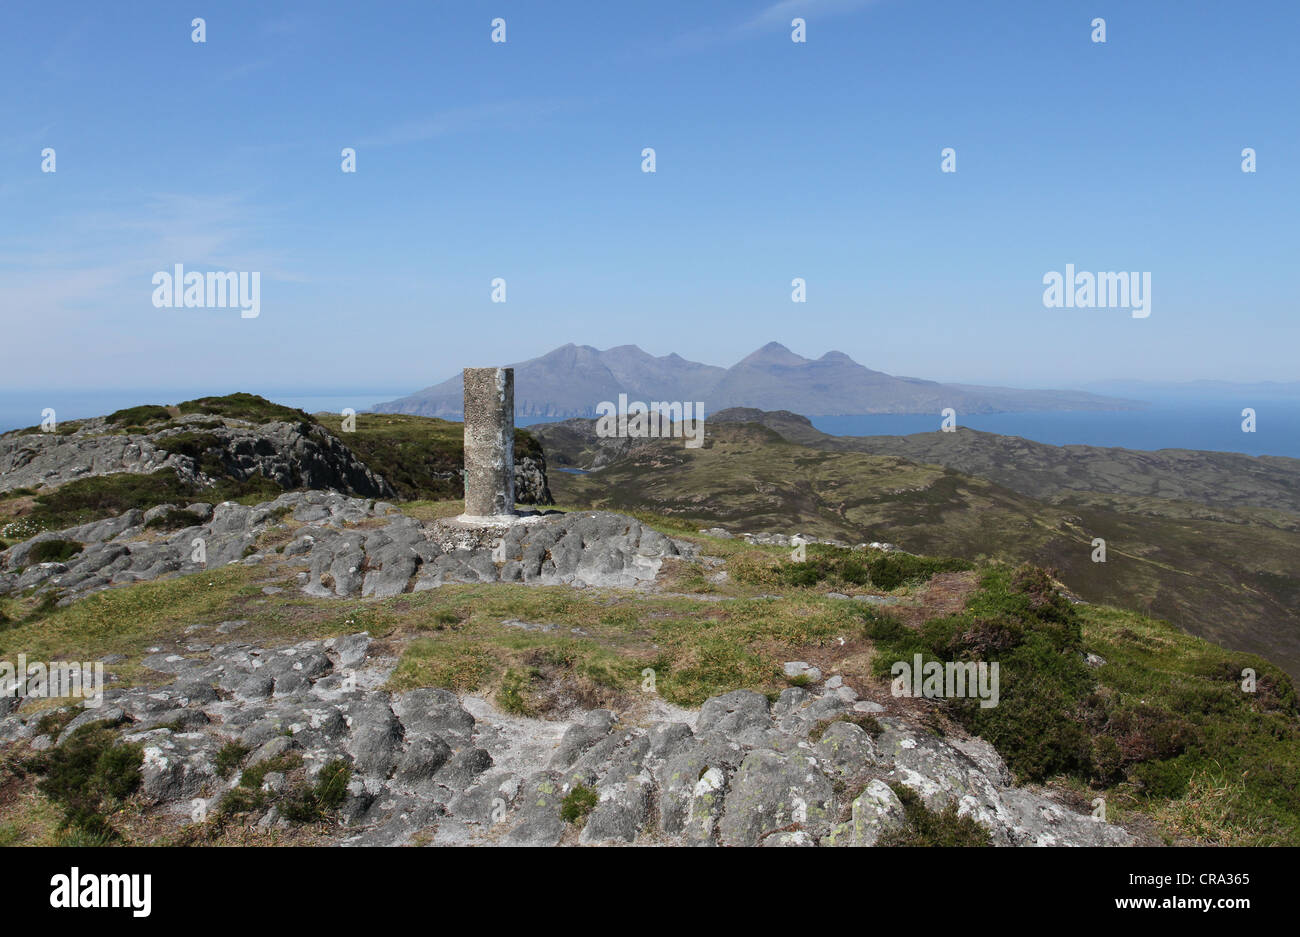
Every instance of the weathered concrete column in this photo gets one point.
(489, 443)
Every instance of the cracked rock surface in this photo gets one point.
(294, 455)
(346, 546)
(431, 767)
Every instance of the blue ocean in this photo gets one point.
(1171, 423)
(1215, 425)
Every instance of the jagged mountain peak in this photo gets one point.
(572, 380)
(773, 353)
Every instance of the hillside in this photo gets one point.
(397, 716)
(1053, 472)
(573, 379)
(423, 457)
(349, 671)
(211, 449)
(1226, 574)
(238, 447)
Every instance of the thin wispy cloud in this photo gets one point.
(504, 115)
(780, 13)
(774, 17)
(109, 253)
(280, 39)
(68, 55)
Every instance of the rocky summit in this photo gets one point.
(688, 653)
(428, 767)
(197, 447)
(225, 726)
(348, 546)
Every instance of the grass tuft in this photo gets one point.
(577, 804)
(924, 827)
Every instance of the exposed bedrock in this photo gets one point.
(454, 770)
(345, 546)
(294, 455)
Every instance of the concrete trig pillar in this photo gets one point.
(489, 444)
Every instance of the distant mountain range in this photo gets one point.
(573, 379)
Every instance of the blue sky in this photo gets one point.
(522, 160)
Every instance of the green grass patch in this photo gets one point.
(839, 567)
(1166, 716)
(577, 804)
(863, 721)
(254, 775)
(139, 416)
(695, 649)
(248, 407)
(460, 665)
(174, 519)
(126, 620)
(923, 827)
(313, 803)
(54, 551)
(230, 757)
(88, 776)
(100, 496)
(421, 457)
(512, 694)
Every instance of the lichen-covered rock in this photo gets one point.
(846, 750)
(622, 810)
(423, 759)
(423, 765)
(538, 813)
(733, 713)
(876, 812)
(176, 766)
(340, 559)
(584, 733)
(376, 737)
(772, 790)
(531, 485)
(692, 785)
(294, 455)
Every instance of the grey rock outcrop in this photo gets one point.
(294, 455)
(336, 558)
(739, 772)
(531, 485)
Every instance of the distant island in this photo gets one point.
(571, 380)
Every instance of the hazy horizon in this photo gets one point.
(375, 388)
